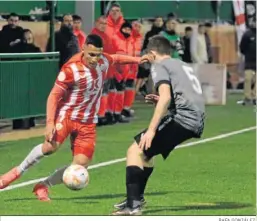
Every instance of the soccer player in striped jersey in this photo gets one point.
(72, 109)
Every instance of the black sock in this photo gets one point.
(134, 175)
(147, 173)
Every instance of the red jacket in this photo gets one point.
(123, 46)
(113, 27)
(138, 42)
(107, 41)
(137, 45)
(81, 37)
(111, 30)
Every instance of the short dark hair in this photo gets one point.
(188, 28)
(201, 25)
(26, 30)
(126, 24)
(115, 4)
(66, 15)
(158, 16)
(95, 40)
(76, 18)
(101, 17)
(159, 44)
(13, 15)
(208, 25)
(171, 15)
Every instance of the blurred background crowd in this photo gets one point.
(201, 41)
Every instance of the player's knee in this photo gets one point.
(50, 148)
(134, 150)
(82, 160)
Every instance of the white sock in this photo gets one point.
(55, 178)
(32, 158)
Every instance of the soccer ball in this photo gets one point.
(75, 177)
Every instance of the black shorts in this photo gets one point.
(143, 73)
(106, 86)
(168, 135)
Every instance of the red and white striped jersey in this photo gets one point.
(83, 89)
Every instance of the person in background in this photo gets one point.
(198, 46)
(174, 38)
(157, 27)
(81, 36)
(186, 41)
(248, 49)
(171, 15)
(144, 70)
(114, 21)
(11, 33)
(26, 45)
(208, 27)
(130, 91)
(123, 43)
(104, 115)
(65, 41)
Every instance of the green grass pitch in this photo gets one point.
(213, 178)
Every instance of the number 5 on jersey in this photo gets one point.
(195, 82)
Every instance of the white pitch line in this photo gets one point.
(107, 163)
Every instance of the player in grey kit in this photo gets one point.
(178, 116)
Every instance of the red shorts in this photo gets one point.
(82, 136)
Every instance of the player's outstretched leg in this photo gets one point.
(32, 158)
(41, 190)
(136, 180)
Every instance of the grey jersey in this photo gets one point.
(187, 104)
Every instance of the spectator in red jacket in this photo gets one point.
(130, 91)
(100, 30)
(114, 20)
(123, 44)
(105, 113)
(138, 37)
(81, 36)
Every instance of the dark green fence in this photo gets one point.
(25, 82)
(188, 10)
(24, 7)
